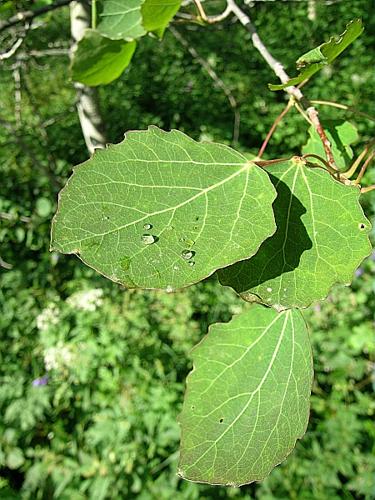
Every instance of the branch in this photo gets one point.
(278, 69)
(28, 15)
(90, 118)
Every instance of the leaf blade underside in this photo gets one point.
(247, 398)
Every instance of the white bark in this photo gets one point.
(87, 97)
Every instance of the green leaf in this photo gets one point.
(158, 13)
(247, 398)
(340, 135)
(160, 210)
(99, 60)
(326, 53)
(120, 19)
(321, 238)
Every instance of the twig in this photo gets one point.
(218, 81)
(274, 126)
(278, 69)
(357, 162)
(12, 50)
(5, 265)
(350, 109)
(364, 167)
(28, 15)
(313, 115)
(368, 189)
(212, 19)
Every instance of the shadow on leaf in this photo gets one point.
(279, 254)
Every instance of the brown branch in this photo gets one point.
(279, 71)
(28, 15)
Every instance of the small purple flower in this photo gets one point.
(359, 272)
(40, 381)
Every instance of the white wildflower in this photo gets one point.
(58, 357)
(87, 300)
(49, 316)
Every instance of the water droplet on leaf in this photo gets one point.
(169, 289)
(147, 227)
(148, 239)
(191, 263)
(187, 254)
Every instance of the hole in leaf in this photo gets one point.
(221, 420)
(362, 226)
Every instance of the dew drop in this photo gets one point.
(191, 263)
(148, 239)
(169, 289)
(187, 254)
(147, 227)
(175, 268)
(269, 289)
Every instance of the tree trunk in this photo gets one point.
(87, 97)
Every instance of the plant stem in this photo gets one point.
(274, 126)
(368, 189)
(357, 162)
(346, 108)
(93, 14)
(364, 167)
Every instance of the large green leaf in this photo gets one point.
(121, 19)
(324, 54)
(157, 14)
(99, 60)
(340, 135)
(247, 398)
(321, 238)
(160, 210)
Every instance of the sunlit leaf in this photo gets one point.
(315, 59)
(247, 398)
(321, 238)
(160, 210)
(120, 19)
(99, 60)
(157, 14)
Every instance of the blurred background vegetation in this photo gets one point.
(92, 375)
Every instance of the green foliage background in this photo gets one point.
(105, 424)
